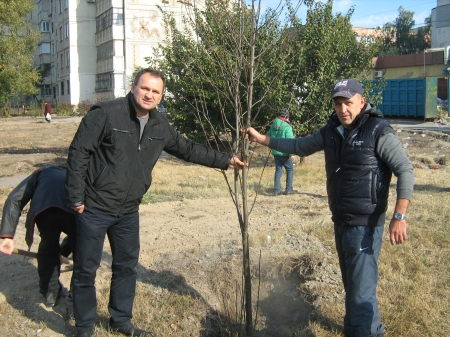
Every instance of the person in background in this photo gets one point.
(47, 111)
(45, 191)
(281, 128)
(361, 153)
(110, 165)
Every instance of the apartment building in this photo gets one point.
(90, 48)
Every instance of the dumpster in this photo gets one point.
(410, 98)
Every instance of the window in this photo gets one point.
(103, 81)
(108, 18)
(52, 27)
(45, 26)
(44, 48)
(62, 87)
(60, 34)
(54, 92)
(46, 90)
(105, 51)
(67, 29)
(62, 60)
(60, 6)
(67, 4)
(53, 48)
(118, 16)
(67, 59)
(68, 87)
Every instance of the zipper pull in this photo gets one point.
(337, 169)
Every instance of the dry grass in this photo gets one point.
(414, 283)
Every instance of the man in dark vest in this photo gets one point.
(361, 153)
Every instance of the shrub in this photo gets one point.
(65, 109)
(84, 107)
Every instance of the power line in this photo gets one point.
(373, 14)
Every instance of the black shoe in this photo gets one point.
(275, 193)
(290, 192)
(51, 299)
(128, 330)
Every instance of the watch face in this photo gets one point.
(399, 216)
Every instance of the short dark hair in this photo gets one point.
(152, 72)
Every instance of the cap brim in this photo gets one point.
(346, 94)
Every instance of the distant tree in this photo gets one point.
(17, 45)
(397, 38)
(326, 49)
(423, 36)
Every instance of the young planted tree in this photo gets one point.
(233, 66)
(17, 45)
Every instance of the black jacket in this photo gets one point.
(110, 168)
(357, 180)
(45, 188)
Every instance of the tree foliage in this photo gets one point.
(398, 38)
(296, 64)
(17, 46)
(325, 50)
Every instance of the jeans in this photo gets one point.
(51, 223)
(287, 163)
(123, 236)
(358, 250)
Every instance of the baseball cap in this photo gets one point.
(283, 113)
(347, 88)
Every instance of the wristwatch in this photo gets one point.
(399, 216)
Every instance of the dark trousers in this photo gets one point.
(51, 223)
(123, 236)
(358, 249)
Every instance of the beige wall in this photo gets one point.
(414, 72)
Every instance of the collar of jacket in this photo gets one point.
(284, 119)
(154, 114)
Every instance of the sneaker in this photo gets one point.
(51, 299)
(128, 330)
(275, 193)
(290, 192)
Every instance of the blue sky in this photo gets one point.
(373, 13)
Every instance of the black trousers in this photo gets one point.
(51, 223)
(123, 236)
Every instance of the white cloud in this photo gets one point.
(342, 6)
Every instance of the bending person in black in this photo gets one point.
(45, 190)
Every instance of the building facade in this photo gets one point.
(440, 21)
(90, 48)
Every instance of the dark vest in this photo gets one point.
(357, 180)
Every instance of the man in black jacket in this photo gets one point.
(361, 152)
(109, 170)
(45, 188)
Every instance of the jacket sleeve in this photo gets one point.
(193, 152)
(86, 140)
(391, 151)
(302, 147)
(14, 205)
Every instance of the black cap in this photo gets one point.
(284, 113)
(347, 88)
